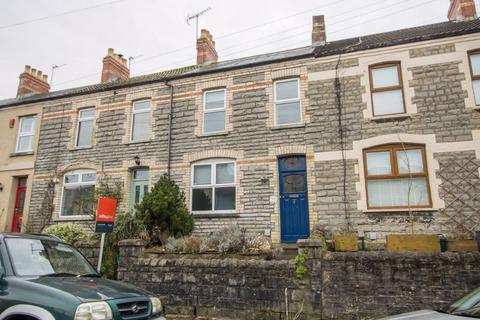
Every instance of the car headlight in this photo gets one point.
(156, 305)
(94, 311)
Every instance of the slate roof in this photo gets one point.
(397, 37)
(378, 40)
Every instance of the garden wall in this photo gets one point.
(359, 285)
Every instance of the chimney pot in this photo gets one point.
(114, 67)
(318, 31)
(32, 81)
(461, 10)
(206, 52)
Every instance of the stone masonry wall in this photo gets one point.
(363, 285)
(436, 91)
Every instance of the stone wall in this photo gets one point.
(90, 249)
(361, 285)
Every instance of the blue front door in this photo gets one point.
(294, 222)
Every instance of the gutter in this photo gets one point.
(169, 141)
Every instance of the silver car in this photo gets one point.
(467, 307)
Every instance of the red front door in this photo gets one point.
(19, 204)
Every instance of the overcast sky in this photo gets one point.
(43, 33)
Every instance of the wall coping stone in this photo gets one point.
(132, 243)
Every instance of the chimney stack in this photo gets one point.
(462, 10)
(114, 67)
(206, 52)
(32, 81)
(318, 31)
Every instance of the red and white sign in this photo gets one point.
(106, 210)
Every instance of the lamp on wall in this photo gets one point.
(137, 160)
(1, 187)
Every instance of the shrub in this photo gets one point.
(68, 232)
(174, 245)
(163, 211)
(226, 240)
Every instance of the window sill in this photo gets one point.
(288, 126)
(215, 215)
(19, 154)
(386, 210)
(74, 218)
(213, 134)
(81, 148)
(392, 117)
(138, 141)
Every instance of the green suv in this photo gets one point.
(43, 278)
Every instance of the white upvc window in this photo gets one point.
(86, 118)
(78, 189)
(213, 186)
(140, 120)
(288, 109)
(26, 134)
(214, 105)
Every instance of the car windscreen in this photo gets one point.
(34, 257)
(467, 306)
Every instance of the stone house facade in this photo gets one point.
(377, 134)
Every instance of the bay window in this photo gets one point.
(397, 177)
(213, 187)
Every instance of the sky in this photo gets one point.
(76, 34)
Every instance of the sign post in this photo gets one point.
(104, 221)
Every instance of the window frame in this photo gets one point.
(79, 120)
(400, 86)
(26, 134)
(213, 185)
(224, 109)
(138, 112)
(277, 102)
(81, 183)
(392, 149)
(472, 76)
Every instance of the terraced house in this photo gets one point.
(377, 134)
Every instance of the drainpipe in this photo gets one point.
(169, 143)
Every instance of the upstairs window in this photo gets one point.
(26, 134)
(387, 89)
(474, 58)
(287, 102)
(213, 187)
(78, 192)
(141, 120)
(396, 177)
(214, 111)
(86, 118)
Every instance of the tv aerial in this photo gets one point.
(196, 16)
